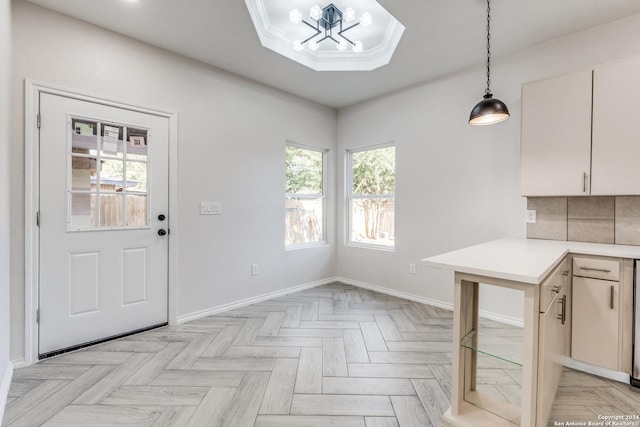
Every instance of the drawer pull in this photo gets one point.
(612, 296)
(563, 315)
(602, 270)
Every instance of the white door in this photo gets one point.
(103, 222)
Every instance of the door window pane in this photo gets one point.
(111, 210)
(111, 176)
(108, 176)
(136, 210)
(137, 177)
(112, 143)
(83, 170)
(84, 138)
(83, 215)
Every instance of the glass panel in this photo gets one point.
(112, 140)
(303, 171)
(498, 351)
(111, 176)
(111, 210)
(83, 170)
(303, 220)
(136, 210)
(83, 213)
(374, 171)
(136, 177)
(84, 137)
(372, 221)
(137, 144)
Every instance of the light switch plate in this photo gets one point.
(210, 208)
(530, 216)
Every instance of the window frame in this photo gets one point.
(322, 196)
(350, 197)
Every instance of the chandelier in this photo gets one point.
(328, 24)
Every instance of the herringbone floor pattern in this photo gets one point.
(330, 356)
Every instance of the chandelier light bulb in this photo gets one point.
(316, 12)
(295, 16)
(313, 45)
(342, 45)
(357, 47)
(297, 45)
(349, 14)
(366, 19)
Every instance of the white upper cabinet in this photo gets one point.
(615, 168)
(580, 135)
(556, 136)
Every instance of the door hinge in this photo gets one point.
(38, 218)
(38, 122)
(37, 315)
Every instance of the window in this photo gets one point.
(372, 186)
(304, 196)
(108, 173)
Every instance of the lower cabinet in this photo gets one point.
(596, 315)
(554, 338)
(602, 317)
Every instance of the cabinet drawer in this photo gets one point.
(553, 285)
(596, 268)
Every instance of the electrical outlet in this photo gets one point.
(254, 269)
(412, 269)
(530, 216)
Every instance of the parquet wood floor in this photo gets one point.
(334, 356)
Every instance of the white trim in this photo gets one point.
(33, 90)
(19, 363)
(4, 388)
(514, 321)
(596, 370)
(253, 300)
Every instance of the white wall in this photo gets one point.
(231, 149)
(5, 70)
(458, 185)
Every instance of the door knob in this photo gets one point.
(162, 232)
(161, 217)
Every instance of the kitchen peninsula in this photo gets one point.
(542, 271)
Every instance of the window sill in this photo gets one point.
(371, 246)
(306, 246)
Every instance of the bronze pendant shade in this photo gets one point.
(490, 110)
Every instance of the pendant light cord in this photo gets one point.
(488, 91)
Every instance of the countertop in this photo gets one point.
(520, 259)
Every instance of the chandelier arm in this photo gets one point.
(350, 27)
(347, 39)
(315, 27)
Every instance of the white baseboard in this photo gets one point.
(393, 292)
(248, 301)
(4, 388)
(441, 304)
(597, 370)
(19, 363)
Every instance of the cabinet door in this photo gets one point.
(595, 324)
(616, 129)
(556, 136)
(553, 345)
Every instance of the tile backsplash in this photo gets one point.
(599, 219)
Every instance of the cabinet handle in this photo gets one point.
(563, 315)
(602, 270)
(584, 182)
(612, 296)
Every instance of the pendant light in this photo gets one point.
(489, 110)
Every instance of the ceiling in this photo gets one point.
(441, 37)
